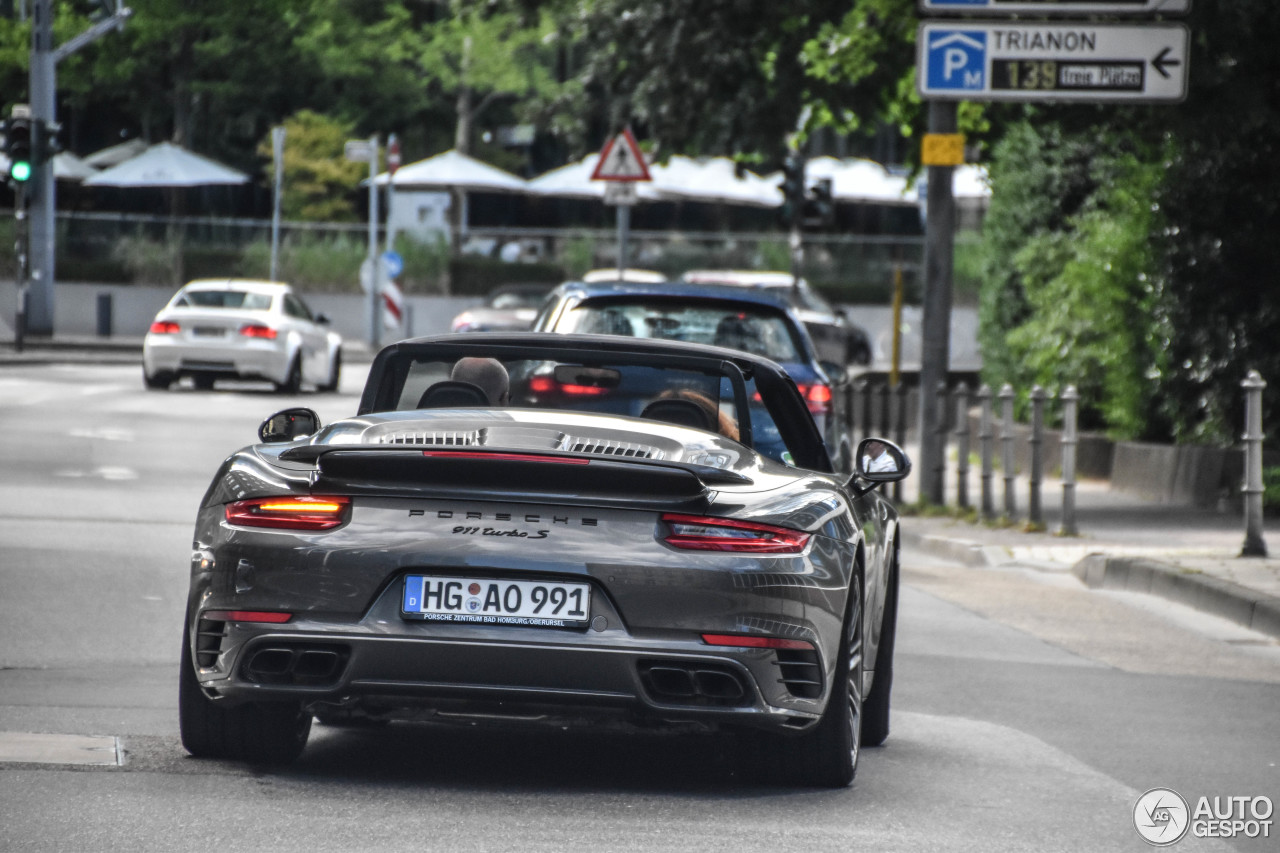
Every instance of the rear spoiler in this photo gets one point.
(505, 474)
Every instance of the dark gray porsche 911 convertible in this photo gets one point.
(637, 533)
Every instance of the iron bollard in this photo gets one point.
(1035, 511)
(864, 394)
(1254, 545)
(900, 431)
(962, 446)
(1006, 459)
(104, 315)
(985, 437)
(1070, 404)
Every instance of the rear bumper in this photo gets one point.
(256, 359)
(416, 677)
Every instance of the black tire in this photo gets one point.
(827, 754)
(157, 382)
(875, 708)
(203, 381)
(335, 375)
(256, 732)
(293, 379)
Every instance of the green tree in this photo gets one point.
(318, 180)
(480, 56)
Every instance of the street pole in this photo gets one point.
(42, 203)
(624, 235)
(375, 282)
(44, 116)
(20, 253)
(277, 151)
(936, 323)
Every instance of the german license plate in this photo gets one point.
(488, 601)
(208, 331)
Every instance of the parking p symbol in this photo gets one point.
(956, 60)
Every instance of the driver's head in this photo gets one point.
(488, 374)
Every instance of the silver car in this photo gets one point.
(234, 328)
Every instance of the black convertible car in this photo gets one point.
(605, 546)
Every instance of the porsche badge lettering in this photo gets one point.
(489, 531)
(528, 518)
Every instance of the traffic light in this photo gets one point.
(819, 205)
(792, 187)
(19, 148)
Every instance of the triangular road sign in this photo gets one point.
(621, 160)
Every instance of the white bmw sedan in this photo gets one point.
(241, 329)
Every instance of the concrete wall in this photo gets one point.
(76, 306)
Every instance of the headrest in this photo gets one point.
(452, 394)
(679, 412)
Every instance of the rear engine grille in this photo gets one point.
(295, 664)
(800, 672)
(209, 636)
(685, 683)
(439, 438)
(604, 447)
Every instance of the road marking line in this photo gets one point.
(31, 748)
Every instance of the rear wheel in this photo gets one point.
(875, 710)
(293, 379)
(827, 754)
(335, 374)
(256, 732)
(159, 381)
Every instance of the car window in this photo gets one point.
(512, 300)
(295, 307)
(741, 327)
(572, 379)
(224, 299)
(810, 300)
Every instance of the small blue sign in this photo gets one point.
(957, 60)
(393, 263)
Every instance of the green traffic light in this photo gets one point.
(20, 170)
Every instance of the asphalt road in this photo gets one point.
(1030, 713)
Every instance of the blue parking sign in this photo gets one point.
(957, 60)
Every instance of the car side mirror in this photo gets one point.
(322, 319)
(879, 460)
(288, 425)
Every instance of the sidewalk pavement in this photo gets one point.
(1185, 554)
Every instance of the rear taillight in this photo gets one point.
(257, 330)
(817, 396)
(548, 385)
(755, 642)
(165, 327)
(701, 533)
(269, 616)
(289, 513)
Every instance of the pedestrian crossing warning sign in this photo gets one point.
(621, 160)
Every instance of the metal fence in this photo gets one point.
(89, 246)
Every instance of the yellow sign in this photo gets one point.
(942, 149)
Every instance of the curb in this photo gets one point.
(1254, 610)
